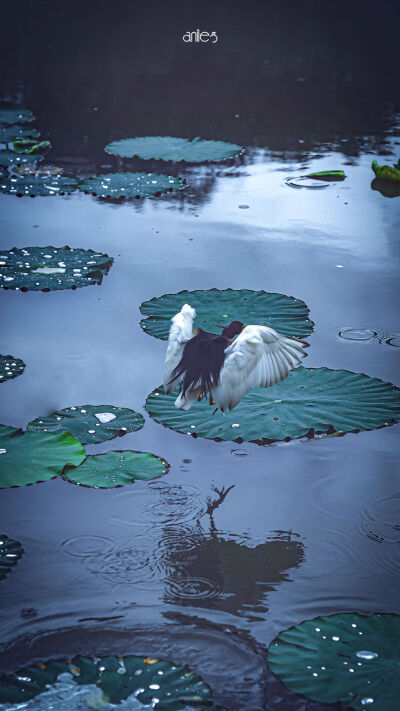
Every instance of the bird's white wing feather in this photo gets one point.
(258, 357)
(180, 333)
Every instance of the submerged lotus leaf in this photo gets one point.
(136, 678)
(216, 309)
(10, 368)
(130, 185)
(27, 145)
(386, 172)
(106, 471)
(19, 116)
(11, 158)
(36, 184)
(10, 552)
(26, 458)
(33, 169)
(309, 401)
(90, 423)
(170, 148)
(9, 134)
(344, 658)
(52, 268)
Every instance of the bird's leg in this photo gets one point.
(211, 400)
(199, 399)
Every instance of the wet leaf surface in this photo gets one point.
(174, 149)
(130, 185)
(106, 471)
(10, 368)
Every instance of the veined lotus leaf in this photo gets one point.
(106, 471)
(10, 368)
(11, 158)
(170, 148)
(9, 134)
(52, 268)
(119, 678)
(12, 116)
(327, 175)
(10, 552)
(344, 658)
(386, 172)
(216, 309)
(36, 184)
(90, 423)
(130, 185)
(309, 401)
(27, 145)
(29, 457)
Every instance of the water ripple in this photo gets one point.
(86, 546)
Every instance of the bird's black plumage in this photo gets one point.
(202, 359)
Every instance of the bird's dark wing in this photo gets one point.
(201, 362)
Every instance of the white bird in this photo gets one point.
(225, 366)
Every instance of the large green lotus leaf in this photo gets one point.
(90, 423)
(37, 184)
(130, 185)
(10, 367)
(386, 172)
(9, 134)
(119, 678)
(52, 268)
(309, 401)
(106, 471)
(216, 309)
(10, 552)
(12, 116)
(344, 658)
(176, 149)
(11, 158)
(26, 458)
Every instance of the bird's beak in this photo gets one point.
(196, 330)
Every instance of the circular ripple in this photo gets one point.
(159, 504)
(394, 340)
(86, 546)
(190, 588)
(303, 182)
(124, 565)
(381, 520)
(358, 334)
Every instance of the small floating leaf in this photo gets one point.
(130, 185)
(37, 184)
(175, 149)
(216, 309)
(327, 175)
(10, 367)
(26, 458)
(27, 145)
(386, 172)
(16, 116)
(11, 158)
(10, 552)
(119, 678)
(308, 401)
(9, 134)
(346, 658)
(106, 471)
(90, 423)
(52, 268)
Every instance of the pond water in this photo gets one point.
(307, 528)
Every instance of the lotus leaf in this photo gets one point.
(11, 158)
(9, 134)
(52, 268)
(26, 458)
(37, 184)
(344, 658)
(327, 175)
(141, 678)
(27, 145)
(309, 401)
(106, 471)
(90, 423)
(10, 552)
(216, 309)
(386, 172)
(19, 116)
(175, 149)
(10, 368)
(131, 185)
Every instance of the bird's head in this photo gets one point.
(234, 328)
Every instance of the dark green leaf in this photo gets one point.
(175, 149)
(106, 471)
(90, 423)
(130, 185)
(27, 145)
(11, 158)
(37, 184)
(9, 134)
(16, 116)
(10, 552)
(10, 368)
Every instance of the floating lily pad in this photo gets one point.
(330, 175)
(27, 145)
(9, 134)
(10, 552)
(10, 368)
(37, 184)
(216, 309)
(106, 471)
(52, 268)
(19, 116)
(11, 158)
(386, 172)
(90, 423)
(119, 678)
(344, 658)
(26, 458)
(170, 148)
(130, 185)
(309, 401)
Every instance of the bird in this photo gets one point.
(224, 367)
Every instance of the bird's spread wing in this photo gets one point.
(258, 357)
(180, 333)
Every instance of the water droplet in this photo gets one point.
(243, 207)
(91, 431)
(335, 639)
(3, 451)
(367, 700)
(363, 654)
(239, 452)
(105, 417)
(235, 425)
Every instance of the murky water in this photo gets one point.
(306, 528)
